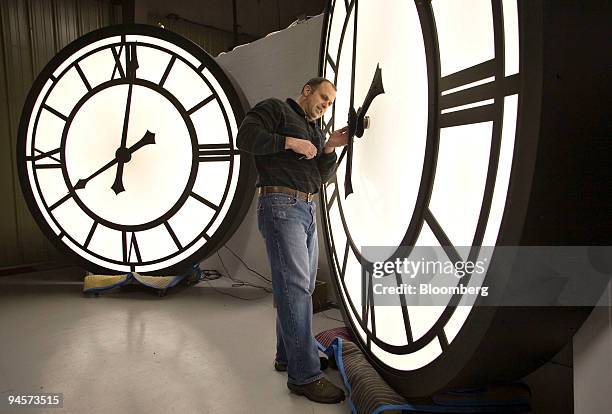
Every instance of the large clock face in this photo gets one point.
(126, 151)
(432, 167)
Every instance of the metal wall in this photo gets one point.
(31, 33)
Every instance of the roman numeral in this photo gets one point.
(215, 152)
(82, 75)
(370, 311)
(443, 340)
(173, 235)
(130, 247)
(47, 158)
(204, 201)
(332, 199)
(167, 71)
(344, 260)
(366, 281)
(467, 76)
(55, 112)
(118, 68)
(201, 104)
(445, 242)
(472, 95)
(91, 233)
(349, 6)
(47, 166)
(405, 315)
(331, 62)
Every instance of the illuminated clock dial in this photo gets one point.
(127, 151)
(432, 167)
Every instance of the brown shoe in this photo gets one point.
(321, 390)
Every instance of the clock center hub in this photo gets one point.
(123, 155)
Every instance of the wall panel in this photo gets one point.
(31, 33)
(8, 222)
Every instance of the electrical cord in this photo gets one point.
(247, 266)
(232, 295)
(210, 274)
(239, 282)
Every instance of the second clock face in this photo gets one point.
(432, 168)
(127, 150)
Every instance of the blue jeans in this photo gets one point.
(288, 226)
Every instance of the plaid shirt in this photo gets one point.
(263, 133)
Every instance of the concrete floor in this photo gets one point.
(193, 351)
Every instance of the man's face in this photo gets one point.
(318, 100)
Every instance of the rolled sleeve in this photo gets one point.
(327, 165)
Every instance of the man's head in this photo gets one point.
(317, 95)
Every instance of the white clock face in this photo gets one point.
(127, 150)
(433, 167)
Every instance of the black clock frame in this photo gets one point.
(246, 178)
(488, 349)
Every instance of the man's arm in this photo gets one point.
(256, 134)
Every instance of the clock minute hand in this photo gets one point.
(348, 185)
(356, 126)
(132, 63)
(131, 66)
(124, 155)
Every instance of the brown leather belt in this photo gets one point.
(286, 190)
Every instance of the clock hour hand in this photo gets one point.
(356, 125)
(122, 155)
(352, 123)
(376, 88)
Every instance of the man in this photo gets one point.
(293, 161)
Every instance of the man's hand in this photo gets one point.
(338, 138)
(301, 146)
